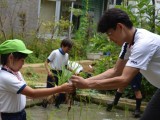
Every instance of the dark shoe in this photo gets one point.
(109, 106)
(137, 113)
(44, 103)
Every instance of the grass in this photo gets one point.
(34, 76)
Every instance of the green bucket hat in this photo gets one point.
(15, 45)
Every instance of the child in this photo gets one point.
(58, 59)
(13, 88)
(136, 85)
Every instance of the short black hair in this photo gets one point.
(110, 19)
(17, 55)
(67, 43)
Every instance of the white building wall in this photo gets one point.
(14, 12)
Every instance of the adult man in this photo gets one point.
(143, 56)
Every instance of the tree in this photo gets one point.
(153, 20)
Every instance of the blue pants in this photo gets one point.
(136, 82)
(52, 81)
(14, 116)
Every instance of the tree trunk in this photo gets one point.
(153, 20)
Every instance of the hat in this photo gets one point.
(10, 46)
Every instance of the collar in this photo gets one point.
(5, 68)
(61, 51)
(132, 43)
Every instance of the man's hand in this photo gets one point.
(79, 82)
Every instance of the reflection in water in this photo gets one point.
(78, 112)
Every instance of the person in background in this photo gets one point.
(13, 88)
(75, 67)
(135, 85)
(56, 61)
(143, 55)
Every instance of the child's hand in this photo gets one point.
(68, 87)
(50, 73)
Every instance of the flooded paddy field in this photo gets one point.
(79, 111)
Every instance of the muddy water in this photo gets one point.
(79, 111)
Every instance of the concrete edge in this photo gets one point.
(102, 99)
